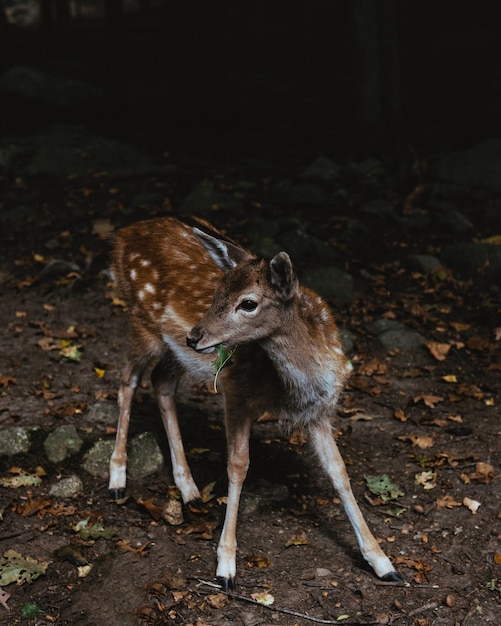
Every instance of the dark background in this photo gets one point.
(273, 78)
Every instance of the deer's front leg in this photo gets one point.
(327, 451)
(238, 464)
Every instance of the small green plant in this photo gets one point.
(223, 357)
(30, 611)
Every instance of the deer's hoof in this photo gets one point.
(117, 494)
(226, 584)
(393, 577)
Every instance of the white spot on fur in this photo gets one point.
(149, 288)
(133, 274)
(140, 294)
(145, 262)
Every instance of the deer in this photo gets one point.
(189, 290)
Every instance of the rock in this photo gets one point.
(16, 440)
(322, 572)
(297, 194)
(97, 459)
(64, 150)
(396, 336)
(103, 413)
(66, 487)
(474, 260)
(62, 443)
(322, 170)
(405, 340)
(172, 512)
(31, 82)
(205, 197)
(424, 263)
(330, 282)
(144, 457)
(58, 268)
(478, 166)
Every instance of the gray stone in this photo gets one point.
(31, 82)
(478, 166)
(425, 263)
(322, 170)
(144, 457)
(56, 268)
(16, 440)
(330, 282)
(474, 260)
(66, 487)
(205, 197)
(97, 459)
(65, 150)
(395, 336)
(103, 413)
(405, 340)
(62, 443)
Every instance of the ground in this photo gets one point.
(426, 417)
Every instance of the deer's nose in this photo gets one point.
(194, 336)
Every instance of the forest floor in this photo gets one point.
(428, 418)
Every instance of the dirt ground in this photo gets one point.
(429, 418)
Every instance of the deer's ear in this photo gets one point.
(283, 277)
(225, 254)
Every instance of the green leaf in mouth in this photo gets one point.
(223, 357)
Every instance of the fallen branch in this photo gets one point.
(305, 616)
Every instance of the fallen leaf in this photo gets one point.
(382, 486)
(450, 378)
(447, 502)
(427, 479)
(400, 415)
(19, 569)
(263, 597)
(217, 600)
(4, 598)
(421, 441)
(153, 509)
(257, 560)
(372, 367)
(438, 350)
(429, 399)
(297, 540)
(6, 380)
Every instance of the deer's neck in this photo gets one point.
(307, 356)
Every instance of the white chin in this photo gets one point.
(208, 350)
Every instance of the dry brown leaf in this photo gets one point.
(421, 441)
(400, 415)
(447, 502)
(438, 350)
(429, 399)
(257, 560)
(6, 380)
(372, 367)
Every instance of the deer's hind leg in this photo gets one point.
(165, 379)
(331, 460)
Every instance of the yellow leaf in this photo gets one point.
(264, 597)
(100, 373)
(450, 378)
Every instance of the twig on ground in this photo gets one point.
(317, 620)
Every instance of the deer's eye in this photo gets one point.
(247, 305)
